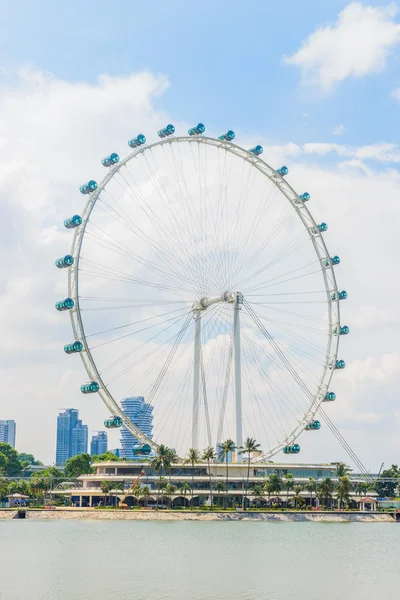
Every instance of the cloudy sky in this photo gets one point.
(316, 83)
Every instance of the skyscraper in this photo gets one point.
(7, 432)
(98, 445)
(141, 414)
(72, 436)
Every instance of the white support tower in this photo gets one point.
(196, 378)
(238, 372)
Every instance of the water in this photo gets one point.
(133, 560)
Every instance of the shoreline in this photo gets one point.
(79, 514)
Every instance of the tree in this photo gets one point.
(342, 469)
(248, 448)
(28, 458)
(257, 491)
(273, 485)
(106, 487)
(362, 488)
(289, 485)
(169, 490)
(3, 463)
(225, 449)
(12, 465)
(311, 486)
(161, 485)
(106, 457)
(219, 487)
(298, 500)
(20, 487)
(383, 488)
(209, 455)
(326, 489)
(161, 462)
(193, 457)
(343, 490)
(185, 487)
(145, 494)
(4, 485)
(78, 465)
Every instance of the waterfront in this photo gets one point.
(48, 560)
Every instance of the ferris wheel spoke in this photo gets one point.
(278, 281)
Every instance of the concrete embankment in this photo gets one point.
(164, 515)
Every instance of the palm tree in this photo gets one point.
(169, 490)
(193, 457)
(225, 448)
(257, 491)
(289, 484)
(161, 485)
(209, 455)
(248, 448)
(326, 489)
(297, 498)
(219, 487)
(185, 487)
(342, 469)
(311, 486)
(173, 458)
(119, 486)
(343, 490)
(145, 494)
(161, 462)
(106, 487)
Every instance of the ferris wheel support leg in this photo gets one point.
(196, 378)
(238, 372)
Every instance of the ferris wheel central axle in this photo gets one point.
(236, 299)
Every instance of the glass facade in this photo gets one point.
(141, 414)
(7, 432)
(72, 436)
(98, 445)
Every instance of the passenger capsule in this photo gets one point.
(257, 150)
(329, 397)
(342, 295)
(139, 140)
(293, 449)
(168, 130)
(65, 261)
(66, 304)
(141, 449)
(113, 422)
(111, 160)
(228, 136)
(313, 426)
(282, 171)
(322, 227)
(73, 222)
(305, 197)
(90, 388)
(340, 364)
(197, 130)
(73, 348)
(344, 330)
(88, 187)
(335, 260)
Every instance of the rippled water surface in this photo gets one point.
(128, 560)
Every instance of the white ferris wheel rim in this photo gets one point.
(319, 246)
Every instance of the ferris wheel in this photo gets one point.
(198, 279)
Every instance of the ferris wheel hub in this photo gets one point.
(228, 297)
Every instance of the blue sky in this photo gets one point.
(317, 83)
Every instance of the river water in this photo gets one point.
(139, 560)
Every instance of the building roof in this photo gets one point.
(366, 500)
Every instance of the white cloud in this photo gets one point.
(339, 130)
(396, 94)
(358, 44)
(382, 151)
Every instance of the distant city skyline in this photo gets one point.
(99, 443)
(141, 415)
(8, 429)
(72, 436)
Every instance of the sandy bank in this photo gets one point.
(110, 515)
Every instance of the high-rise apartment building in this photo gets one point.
(7, 432)
(72, 436)
(141, 414)
(98, 445)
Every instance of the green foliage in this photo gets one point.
(342, 469)
(343, 490)
(78, 465)
(106, 457)
(28, 458)
(386, 488)
(50, 473)
(20, 487)
(12, 466)
(4, 483)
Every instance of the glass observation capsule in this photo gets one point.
(197, 130)
(111, 160)
(228, 136)
(139, 140)
(89, 187)
(143, 449)
(66, 304)
(73, 348)
(65, 261)
(73, 222)
(90, 388)
(282, 171)
(340, 364)
(329, 397)
(323, 227)
(305, 197)
(335, 260)
(168, 130)
(313, 426)
(344, 330)
(257, 150)
(342, 295)
(113, 422)
(293, 449)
